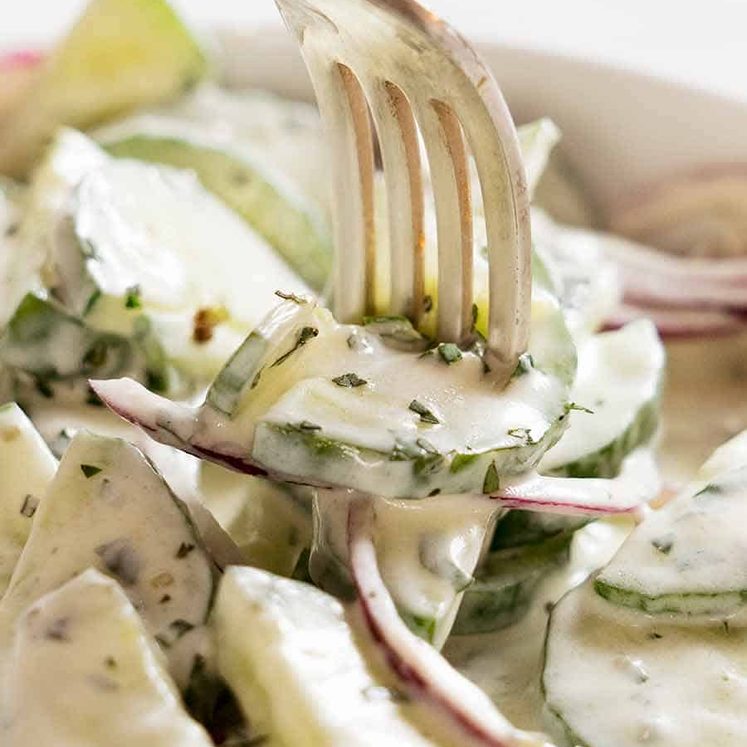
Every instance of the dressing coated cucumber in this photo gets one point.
(26, 468)
(109, 509)
(505, 583)
(620, 678)
(300, 677)
(618, 384)
(83, 671)
(681, 559)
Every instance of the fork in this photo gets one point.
(393, 70)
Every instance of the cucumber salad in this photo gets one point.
(227, 518)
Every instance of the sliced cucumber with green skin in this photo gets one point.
(46, 342)
(301, 677)
(520, 528)
(286, 220)
(153, 55)
(681, 559)
(86, 644)
(335, 406)
(617, 678)
(505, 583)
(26, 468)
(269, 522)
(109, 509)
(427, 551)
(618, 386)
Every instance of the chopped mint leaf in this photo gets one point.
(184, 549)
(426, 416)
(180, 627)
(492, 481)
(306, 334)
(663, 544)
(524, 365)
(461, 461)
(579, 408)
(132, 297)
(306, 425)
(523, 434)
(449, 352)
(349, 380)
(89, 470)
(29, 506)
(290, 297)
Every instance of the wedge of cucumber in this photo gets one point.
(26, 468)
(301, 677)
(681, 559)
(335, 405)
(617, 678)
(85, 643)
(505, 583)
(617, 390)
(107, 508)
(121, 54)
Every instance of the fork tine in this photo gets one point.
(400, 155)
(447, 159)
(345, 114)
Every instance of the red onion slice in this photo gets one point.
(459, 706)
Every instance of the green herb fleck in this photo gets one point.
(569, 406)
(290, 297)
(349, 380)
(43, 387)
(306, 334)
(307, 425)
(449, 352)
(97, 354)
(180, 628)
(524, 365)
(523, 434)
(30, 504)
(89, 470)
(132, 297)
(426, 415)
(461, 461)
(184, 549)
(492, 481)
(663, 544)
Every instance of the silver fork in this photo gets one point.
(411, 71)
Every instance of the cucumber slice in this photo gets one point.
(616, 679)
(284, 217)
(269, 522)
(620, 377)
(335, 406)
(109, 509)
(120, 55)
(26, 468)
(84, 644)
(46, 342)
(300, 677)
(519, 528)
(681, 559)
(505, 583)
(427, 551)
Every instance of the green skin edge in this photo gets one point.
(607, 461)
(426, 467)
(671, 603)
(251, 193)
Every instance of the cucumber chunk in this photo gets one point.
(83, 671)
(615, 678)
(26, 468)
(121, 54)
(109, 509)
(43, 340)
(505, 583)
(333, 405)
(619, 380)
(301, 677)
(681, 559)
(285, 218)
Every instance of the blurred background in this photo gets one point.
(699, 43)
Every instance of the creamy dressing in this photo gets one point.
(507, 664)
